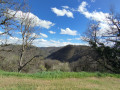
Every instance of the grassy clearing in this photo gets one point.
(88, 83)
(59, 74)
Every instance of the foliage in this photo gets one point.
(107, 44)
(110, 57)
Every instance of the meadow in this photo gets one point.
(58, 80)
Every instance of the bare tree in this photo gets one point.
(91, 33)
(8, 24)
(10, 20)
(114, 26)
(27, 36)
(109, 55)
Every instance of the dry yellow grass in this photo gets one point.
(89, 83)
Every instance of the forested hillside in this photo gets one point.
(68, 58)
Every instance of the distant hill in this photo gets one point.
(71, 53)
(81, 58)
(10, 54)
(49, 50)
(77, 57)
(42, 51)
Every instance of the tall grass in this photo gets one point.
(59, 74)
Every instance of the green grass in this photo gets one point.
(59, 74)
(58, 80)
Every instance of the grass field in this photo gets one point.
(59, 81)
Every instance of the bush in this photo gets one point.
(61, 67)
(50, 63)
(42, 68)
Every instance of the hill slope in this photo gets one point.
(10, 54)
(72, 53)
(81, 58)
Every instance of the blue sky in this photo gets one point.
(69, 19)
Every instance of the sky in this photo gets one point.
(63, 22)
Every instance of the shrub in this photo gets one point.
(50, 63)
(61, 67)
(42, 68)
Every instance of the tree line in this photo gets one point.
(106, 45)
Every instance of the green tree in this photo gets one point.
(109, 54)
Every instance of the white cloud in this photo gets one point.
(105, 23)
(39, 40)
(51, 32)
(35, 35)
(96, 16)
(43, 35)
(42, 42)
(53, 43)
(1, 32)
(13, 40)
(62, 12)
(75, 38)
(66, 7)
(68, 31)
(30, 18)
(82, 7)
(16, 38)
(78, 38)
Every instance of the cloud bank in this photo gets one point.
(42, 42)
(28, 17)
